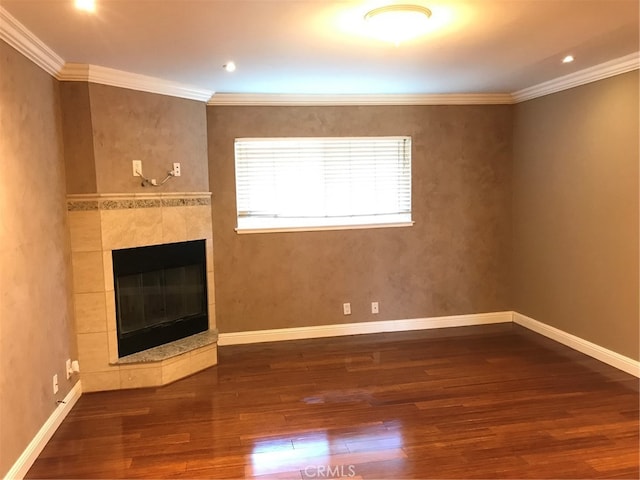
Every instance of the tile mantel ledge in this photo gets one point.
(116, 201)
(120, 196)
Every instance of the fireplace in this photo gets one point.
(160, 293)
(104, 225)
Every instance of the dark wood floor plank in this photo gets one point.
(494, 401)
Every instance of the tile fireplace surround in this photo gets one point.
(101, 223)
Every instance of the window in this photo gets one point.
(322, 183)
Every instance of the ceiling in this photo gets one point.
(322, 47)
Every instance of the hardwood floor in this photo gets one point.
(495, 401)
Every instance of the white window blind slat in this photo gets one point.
(315, 182)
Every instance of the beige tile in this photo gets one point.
(90, 312)
(209, 250)
(84, 229)
(211, 288)
(141, 377)
(112, 337)
(107, 268)
(100, 381)
(204, 359)
(149, 227)
(177, 369)
(138, 366)
(110, 308)
(93, 352)
(87, 272)
(212, 316)
(174, 224)
(128, 228)
(211, 275)
(118, 229)
(199, 222)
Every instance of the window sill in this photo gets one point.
(243, 231)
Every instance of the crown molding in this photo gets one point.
(241, 99)
(19, 37)
(24, 41)
(592, 74)
(78, 72)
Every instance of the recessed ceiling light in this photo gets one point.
(86, 5)
(398, 23)
(568, 59)
(229, 67)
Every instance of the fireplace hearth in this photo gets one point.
(161, 294)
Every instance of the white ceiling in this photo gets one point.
(321, 47)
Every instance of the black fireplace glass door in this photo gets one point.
(161, 294)
(152, 298)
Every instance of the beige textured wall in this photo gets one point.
(77, 132)
(576, 213)
(159, 130)
(35, 309)
(455, 260)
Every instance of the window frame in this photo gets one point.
(324, 223)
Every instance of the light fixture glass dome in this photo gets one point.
(398, 23)
(86, 5)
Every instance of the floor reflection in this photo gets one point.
(326, 453)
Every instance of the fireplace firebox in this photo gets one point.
(161, 294)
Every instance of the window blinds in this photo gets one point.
(316, 182)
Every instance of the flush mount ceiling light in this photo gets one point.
(568, 59)
(229, 67)
(86, 5)
(398, 23)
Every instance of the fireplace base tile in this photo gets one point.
(177, 368)
(140, 377)
(204, 358)
(100, 381)
(157, 366)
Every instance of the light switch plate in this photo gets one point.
(136, 166)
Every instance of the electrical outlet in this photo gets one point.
(374, 308)
(176, 170)
(69, 369)
(137, 167)
(346, 308)
(55, 384)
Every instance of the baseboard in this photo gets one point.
(605, 355)
(320, 331)
(37, 444)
